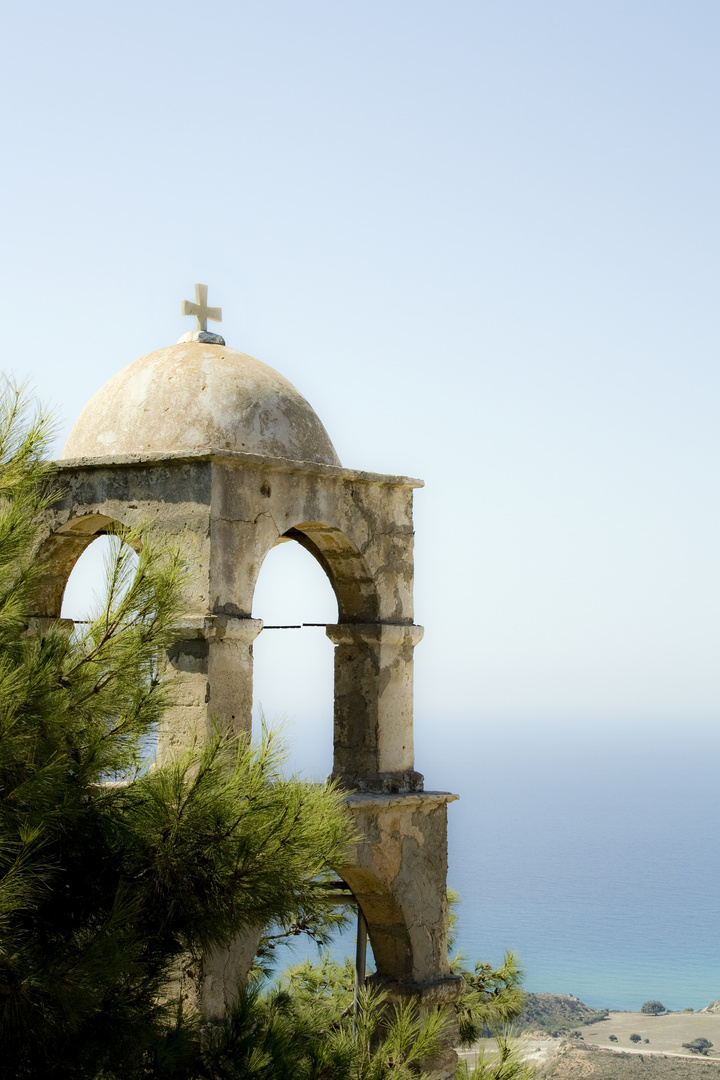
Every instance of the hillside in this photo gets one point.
(592, 1064)
(555, 1014)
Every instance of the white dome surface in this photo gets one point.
(196, 396)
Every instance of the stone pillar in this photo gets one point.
(441, 995)
(211, 681)
(212, 684)
(374, 706)
(398, 876)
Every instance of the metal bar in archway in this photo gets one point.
(296, 626)
(360, 961)
(343, 895)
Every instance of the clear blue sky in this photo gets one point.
(481, 238)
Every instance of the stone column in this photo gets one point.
(211, 681)
(398, 876)
(439, 995)
(212, 684)
(374, 706)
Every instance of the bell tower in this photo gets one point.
(225, 456)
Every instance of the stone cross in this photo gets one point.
(200, 308)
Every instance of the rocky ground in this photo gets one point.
(665, 1034)
(555, 1014)
(572, 1063)
(588, 1051)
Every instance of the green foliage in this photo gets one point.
(634, 1038)
(613, 1038)
(326, 989)
(596, 1018)
(555, 1014)
(654, 1008)
(453, 899)
(698, 1046)
(506, 1062)
(281, 1035)
(492, 998)
(106, 887)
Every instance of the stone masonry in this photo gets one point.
(223, 455)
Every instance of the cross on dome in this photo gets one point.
(200, 309)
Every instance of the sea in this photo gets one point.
(593, 855)
(589, 849)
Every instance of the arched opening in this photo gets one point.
(61, 552)
(294, 679)
(391, 951)
(354, 587)
(86, 587)
(293, 659)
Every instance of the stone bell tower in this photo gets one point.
(224, 455)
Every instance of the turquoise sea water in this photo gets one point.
(591, 850)
(594, 855)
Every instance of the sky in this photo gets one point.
(482, 240)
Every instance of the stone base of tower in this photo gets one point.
(396, 871)
(398, 875)
(430, 996)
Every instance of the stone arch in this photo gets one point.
(372, 726)
(386, 924)
(345, 567)
(61, 551)
(293, 591)
(365, 741)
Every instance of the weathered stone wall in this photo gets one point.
(227, 511)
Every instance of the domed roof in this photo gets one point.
(198, 396)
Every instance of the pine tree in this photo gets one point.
(112, 871)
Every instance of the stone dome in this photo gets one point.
(198, 396)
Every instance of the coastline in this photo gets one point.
(661, 1038)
